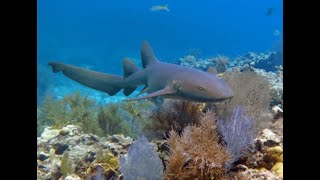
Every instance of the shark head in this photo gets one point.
(203, 87)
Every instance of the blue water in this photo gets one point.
(100, 33)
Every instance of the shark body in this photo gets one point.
(159, 79)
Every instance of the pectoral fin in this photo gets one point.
(144, 90)
(165, 91)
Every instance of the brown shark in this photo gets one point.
(159, 78)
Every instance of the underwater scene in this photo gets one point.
(159, 89)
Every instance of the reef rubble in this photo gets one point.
(83, 149)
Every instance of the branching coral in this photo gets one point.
(197, 152)
(236, 133)
(173, 114)
(142, 162)
(252, 92)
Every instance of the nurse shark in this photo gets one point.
(159, 79)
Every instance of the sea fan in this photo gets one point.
(142, 162)
(236, 133)
(252, 92)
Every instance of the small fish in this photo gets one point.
(160, 8)
(276, 32)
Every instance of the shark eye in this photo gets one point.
(201, 88)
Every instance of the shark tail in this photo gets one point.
(128, 69)
(109, 83)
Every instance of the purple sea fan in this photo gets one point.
(236, 133)
(142, 162)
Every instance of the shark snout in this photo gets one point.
(229, 93)
(226, 93)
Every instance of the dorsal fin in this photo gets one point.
(147, 55)
(128, 67)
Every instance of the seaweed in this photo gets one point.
(196, 153)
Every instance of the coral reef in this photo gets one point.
(243, 172)
(267, 61)
(268, 150)
(172, 114)
(85, 153)
(199, 147)
(263, 160)
(219, 62)
(84, 137)
(197, 152)
(141, 162)
(193, 62)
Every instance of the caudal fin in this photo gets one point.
(128, 69)
(108, 83)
